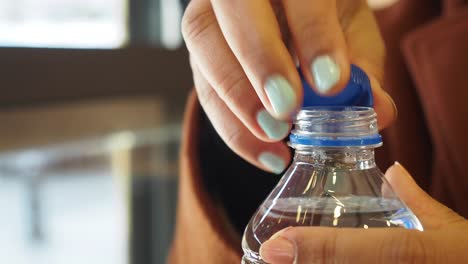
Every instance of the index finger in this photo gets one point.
(253, 34)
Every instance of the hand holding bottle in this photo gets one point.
(443, 241)
(243, 52)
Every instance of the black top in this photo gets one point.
(234, 184)
(184, 3)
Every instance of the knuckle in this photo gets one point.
(318, 251)
(195, 22)
(230, 86)
(233, 136)
(406, 247)
(417, 250)
(209, 100)
(329, 249)
(206, 96)
(255, 52)
(314, 26)
(233, 90)
(236, 91)
(347, 11)
(317, 30)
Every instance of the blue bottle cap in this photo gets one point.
(356, 93)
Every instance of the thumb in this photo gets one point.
(431, 213)
(303, 245)
(377, 245)
(332, 245)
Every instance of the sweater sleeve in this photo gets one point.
(217, 195)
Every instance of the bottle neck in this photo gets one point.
(340, 158)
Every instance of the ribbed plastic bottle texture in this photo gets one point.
(333, 180)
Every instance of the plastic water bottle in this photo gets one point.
(333, 180)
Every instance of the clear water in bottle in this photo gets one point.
(333, 180)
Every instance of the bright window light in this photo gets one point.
(63, 23)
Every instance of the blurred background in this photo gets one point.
(91, 103)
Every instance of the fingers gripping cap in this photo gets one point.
(351, 109)
(357, 92)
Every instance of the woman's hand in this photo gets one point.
(445, 239)
(243, 56)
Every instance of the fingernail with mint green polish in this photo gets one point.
(274, 129)
(272, 162)
(326, 73)
(281, 94)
